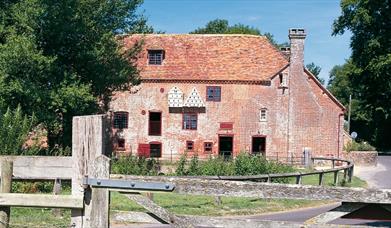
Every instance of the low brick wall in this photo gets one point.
(362, 158)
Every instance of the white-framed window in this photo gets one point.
(283, 80)
(263, 114)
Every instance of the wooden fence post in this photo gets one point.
(336, 178)
(90, 138)
(6, 184)
(321, 178)
(57, 191)
(97, 206)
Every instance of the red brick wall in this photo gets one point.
(313, 118)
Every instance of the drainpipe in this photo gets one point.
(339, 134)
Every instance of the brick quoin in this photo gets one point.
(300, 112)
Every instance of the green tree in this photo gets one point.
(221, 26)
(315, 70)
(14, 130)
(59, 59)
(369, 22)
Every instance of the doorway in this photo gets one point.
(258, 145)
(226, 146)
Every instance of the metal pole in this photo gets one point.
(350, 107)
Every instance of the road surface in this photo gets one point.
(376, 177)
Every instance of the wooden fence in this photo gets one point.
(89, 203)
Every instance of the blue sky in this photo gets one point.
(274, 16)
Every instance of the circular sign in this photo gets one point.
(353, 135)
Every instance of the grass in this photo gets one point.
(206, 205)
(180, 204)
(38, 218)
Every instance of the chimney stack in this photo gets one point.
(297, 37)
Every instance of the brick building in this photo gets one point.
(223, 94)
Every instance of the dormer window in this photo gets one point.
(155, 57)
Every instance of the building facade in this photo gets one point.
(224, 94)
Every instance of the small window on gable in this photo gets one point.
(120, 120)
(263, 114)
(213, 93)
(283, 80)
(155, 57)
(189, 145)
(208, 147)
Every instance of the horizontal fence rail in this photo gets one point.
(39, 200)
(40, 167)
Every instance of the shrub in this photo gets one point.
(358, 146)
(218, 166)
(132, 165)
(194, 169)
(181, 165)
(14, 130)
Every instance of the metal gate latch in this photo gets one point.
(127, 184)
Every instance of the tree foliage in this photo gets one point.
(14, 130)
(59, 59)
(315, 70)
(221, 26)
(369, 72)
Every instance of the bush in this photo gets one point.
(243, 164)
(358, 146)
(14, 130)
(132, 165)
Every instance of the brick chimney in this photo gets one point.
(295, 84)
(297, 37)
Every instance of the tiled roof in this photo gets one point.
(209, 57)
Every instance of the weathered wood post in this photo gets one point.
(6, 184)
(97, 209)
(336, 178)
(90, 138)
(321, 178)
(57, 191)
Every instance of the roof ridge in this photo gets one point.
(187, 34)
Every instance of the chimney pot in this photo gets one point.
(298, 33)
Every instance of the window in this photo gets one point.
(120, 120)
(283, 80)
(263, 114)
(190, 121)
(155, 150)
(121, 144)
(155, 123)
(213, 93)
(155, 57)
(208, 147)
(190, 145)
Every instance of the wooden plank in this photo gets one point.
(41, 167)
(158, 211)
(206, 221)
(97, 204)
(6, 184)
(40, 200)
(338, 212)
(268, 190)
(90, 135)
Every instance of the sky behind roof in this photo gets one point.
(273, 16)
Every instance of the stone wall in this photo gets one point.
(362, 158)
